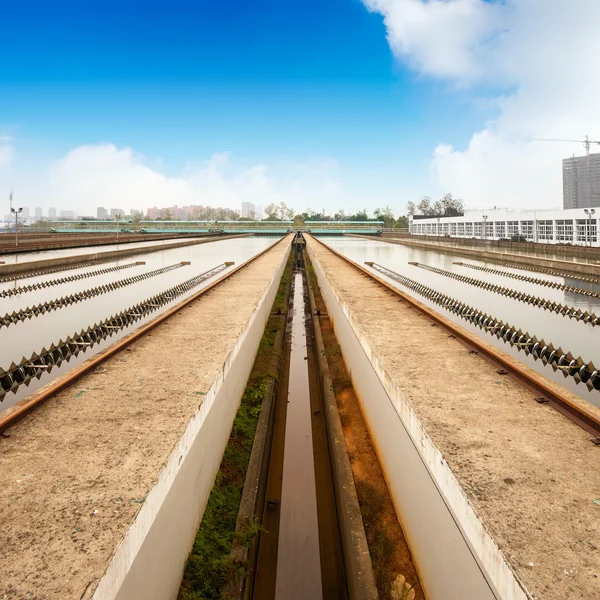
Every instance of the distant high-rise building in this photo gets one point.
(101, 213)
(52, 213)
(117, 212)
(25, 214)
(581, 181)
(39, 213)
(248, 210)
(259, 212)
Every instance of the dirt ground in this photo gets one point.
(532, 476)
(74, 474)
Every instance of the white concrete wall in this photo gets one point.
(149, 562)
(454, 554)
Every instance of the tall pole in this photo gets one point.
(589, 214)
(484, 232)
(16, 212)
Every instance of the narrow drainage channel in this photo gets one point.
(299, 554)
(298, 564)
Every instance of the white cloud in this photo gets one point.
(6, 150)
(104, 175)
(542, 53)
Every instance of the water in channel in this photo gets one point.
(298, 556)
(21, 339)
(580, 338)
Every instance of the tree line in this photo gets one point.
(446, 206)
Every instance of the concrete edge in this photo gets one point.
(162, 583)
(98, 257)
(575, 268)
(253, 494)
(503, 582)
(252, 501)
(360, 578)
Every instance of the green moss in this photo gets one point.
(209, 566)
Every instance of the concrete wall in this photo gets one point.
(149, 562)
(569, 266)
(455, 556)
(110, 255)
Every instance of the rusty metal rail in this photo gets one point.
(545, 391)
(29, 368)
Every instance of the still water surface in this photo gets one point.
(22, 339)
(575, 336)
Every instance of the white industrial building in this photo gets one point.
(578, 226)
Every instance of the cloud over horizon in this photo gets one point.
(103, 175)
(539, 55)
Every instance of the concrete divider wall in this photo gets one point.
(149, 562)
(570, 266)
(110, 255)
(455, 556)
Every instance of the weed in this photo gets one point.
(209, 566)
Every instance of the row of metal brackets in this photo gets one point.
(46, 359)
(557, 307)
(536, 280)
(46, 271)
(557, 358)
(40, 309)
(52, 282)
(551, 272)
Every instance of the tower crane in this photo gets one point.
(587, 142)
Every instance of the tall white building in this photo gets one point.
(52, 213)
(101, 213)
(38, 212)
(248, 210)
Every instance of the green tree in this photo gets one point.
(136, 216)
(411, 209)
(401, 223)
(272, 212)
(386, 215)
(424, 206)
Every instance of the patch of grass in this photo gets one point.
(209, 567)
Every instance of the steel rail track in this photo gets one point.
(27, 405)
(556, 307)
(547, 392)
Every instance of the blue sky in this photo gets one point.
(281, 89)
